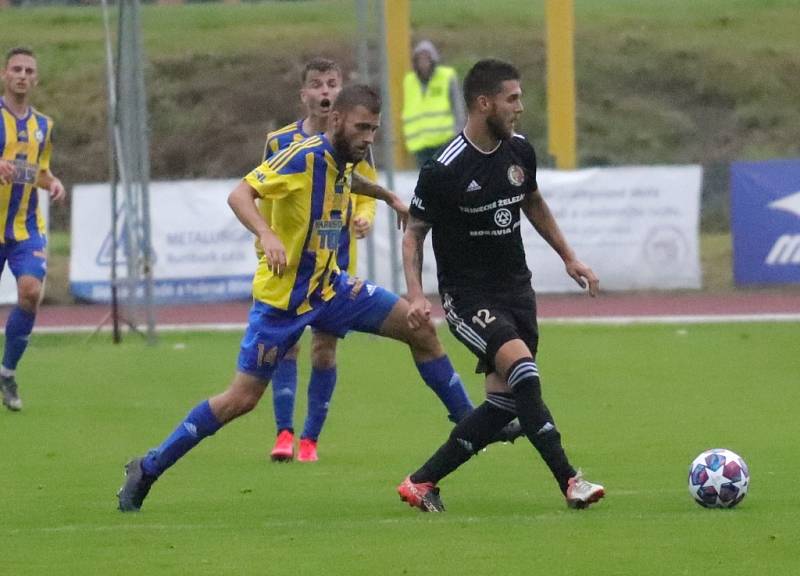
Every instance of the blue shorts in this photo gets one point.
(26, 258)
(358, 305)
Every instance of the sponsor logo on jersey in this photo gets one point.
(516, 175)
(417, 201)
(328, 232)
(24, 173)
(473, 186)
(503, 217)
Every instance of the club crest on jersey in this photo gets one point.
(39, 135)
(516, 175)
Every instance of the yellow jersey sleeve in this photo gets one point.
(271, 184)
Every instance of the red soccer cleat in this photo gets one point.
(424, 496)
(308, 450)
(283, 451)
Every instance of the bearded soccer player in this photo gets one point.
(298, 281)
(471, 196)
(321, 82)
(25, 147)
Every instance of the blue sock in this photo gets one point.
(320, 390)
(440, 377)
(284, 389)
(199, 423)
(18, 327)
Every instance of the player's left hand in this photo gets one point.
(361, 226)
(57, 190)
(584, 276)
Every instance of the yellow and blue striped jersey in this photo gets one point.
(310, 196)
(27, 143)
(361, 206)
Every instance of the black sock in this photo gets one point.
(536, 420)
(469, 436)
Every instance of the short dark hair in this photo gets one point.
(486, 78)
(319, 65)
(358, 95)
(16, 50)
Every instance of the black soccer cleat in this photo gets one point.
(137, 485)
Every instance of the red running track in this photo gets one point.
(610, 305)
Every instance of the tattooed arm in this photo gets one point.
(413, 242)
(364, 187)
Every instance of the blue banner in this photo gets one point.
(765, 222)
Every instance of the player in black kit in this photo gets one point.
(471, 195)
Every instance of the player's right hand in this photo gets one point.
(6, 172)
(274, 252)
(419, 312)
(401, 211)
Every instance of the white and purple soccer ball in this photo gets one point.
(718, 478)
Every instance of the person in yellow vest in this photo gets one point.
(433, 109)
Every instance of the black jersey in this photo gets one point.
(472, 201)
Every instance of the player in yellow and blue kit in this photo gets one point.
(321, 82)
(25, 147)
(298, 281)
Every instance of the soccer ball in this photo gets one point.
(718, 478)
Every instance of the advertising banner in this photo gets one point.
(201, 251)
(638, 228)
(765, 222)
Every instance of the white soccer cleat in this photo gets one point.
(581, 493)
(11, 399)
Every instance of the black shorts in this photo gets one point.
(483, 323)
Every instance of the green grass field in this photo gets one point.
(635, 405)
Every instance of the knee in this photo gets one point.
(523, 377)
(323, 354)
(28, 296)
(235, 402)
(425, 342)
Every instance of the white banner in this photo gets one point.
(637, 227)
(201, 251)
(8, 284)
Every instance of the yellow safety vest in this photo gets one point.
(428, 119)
